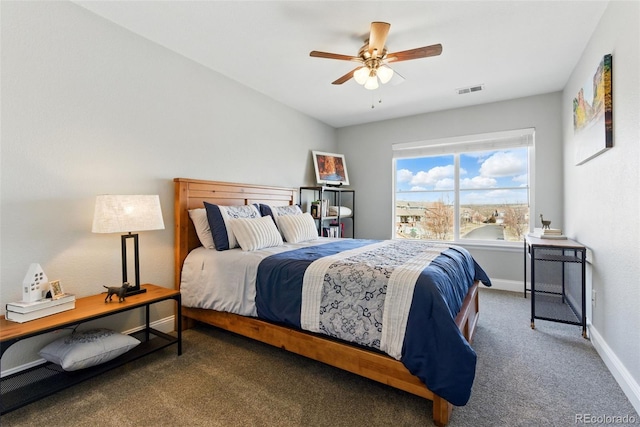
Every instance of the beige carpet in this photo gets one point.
(524, 378)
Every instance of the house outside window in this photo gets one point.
(472, 188)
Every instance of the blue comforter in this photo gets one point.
(433, 348)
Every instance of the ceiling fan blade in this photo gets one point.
(378, 36)
(346, 77)
(317, 54)
(420, 52)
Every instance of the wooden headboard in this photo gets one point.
(191, 193)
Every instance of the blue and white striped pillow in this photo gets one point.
(253, 234)
(298, 228)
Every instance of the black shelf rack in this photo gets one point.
(336, 196)
(33, 384)
(558, 285)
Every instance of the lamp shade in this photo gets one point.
(372, 82)
(361, 75)
(127, 213)
(384, 74)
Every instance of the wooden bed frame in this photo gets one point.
(190, 194)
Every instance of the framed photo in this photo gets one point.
(56, 289)
(331, 169)
(593, 113)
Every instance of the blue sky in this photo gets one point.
(490, 177)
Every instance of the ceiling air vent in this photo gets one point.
(463, 90)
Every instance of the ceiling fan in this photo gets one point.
(374, 58)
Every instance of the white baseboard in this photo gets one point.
(629, 386)
(507, 285)
(165, 325)
(22, 367)
(627, 383)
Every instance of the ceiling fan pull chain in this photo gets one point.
(373, 104)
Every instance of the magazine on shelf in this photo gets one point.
(548, 233)
(28, 307)
(33, 315)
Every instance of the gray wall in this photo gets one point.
(89, 108)
(602, 196)
(368, 151)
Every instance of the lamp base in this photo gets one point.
(135, 291)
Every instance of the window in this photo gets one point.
(474, 188)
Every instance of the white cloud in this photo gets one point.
(445, 184)
(433, 175)
(503, 164)
(478, 182)
(524, 179)
(494, 197)
(404, 175)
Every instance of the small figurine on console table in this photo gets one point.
(545, 224)
(121, 291)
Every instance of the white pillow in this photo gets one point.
(298, 228)
(89, 348)
(255, 233)
(343, 210)
(201, 224)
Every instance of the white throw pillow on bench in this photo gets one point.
(89, 348)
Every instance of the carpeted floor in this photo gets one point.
(524, 377)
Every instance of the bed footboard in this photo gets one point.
(373, 365)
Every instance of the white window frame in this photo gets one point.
(492, 141)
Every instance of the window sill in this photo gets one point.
(477, 244)
(497, 247)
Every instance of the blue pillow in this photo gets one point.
(219, 216)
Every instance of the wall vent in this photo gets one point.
(463, 90)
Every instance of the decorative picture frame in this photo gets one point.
(593, 113)
(331, 169)
(55, 287)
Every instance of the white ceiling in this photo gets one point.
(513, 48)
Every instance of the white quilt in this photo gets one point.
(226, 280)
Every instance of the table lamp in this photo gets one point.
(127, 214)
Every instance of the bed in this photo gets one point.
(276, 328)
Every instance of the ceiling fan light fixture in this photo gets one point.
(371, 83)
(384, 74)
(361, 75)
